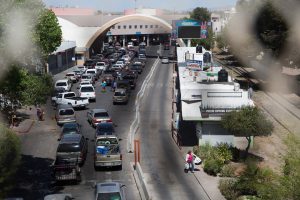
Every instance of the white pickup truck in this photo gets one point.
(71, 99)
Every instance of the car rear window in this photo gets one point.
(66, 112)
(111, 195)
(73, 147)
(86, 77)
(87, 89)
(101, 114)
(91, 72)
(119, 93)
(61, 84)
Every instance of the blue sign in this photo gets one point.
(187, 22)
(138, 33)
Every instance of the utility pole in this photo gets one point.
(135, 5)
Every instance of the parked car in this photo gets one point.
(101, 65)
(110, 190)
(65, 114)
(72, 76)
(65, 170)
(131, 77)
(72, 147)
(165, 60)
(70, 128)
(63, 83)
(107, 151)
(87, 91)
(120, 96)
(55, 94)
(70, 98)
(136, 68)
(87, 77)
(96, 116)
(89, 63)
(62, 196)
(105, 129)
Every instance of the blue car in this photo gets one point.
(105, 129)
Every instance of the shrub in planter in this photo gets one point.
(213, 166)
(227, 171)
(223, 152)
(227, 189)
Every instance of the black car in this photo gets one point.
(136, 68)
(89, 63)
(105, 129)
(73, 148)
(132, 77)
(71, 128)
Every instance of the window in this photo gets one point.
(124, 27)
(113, 27)
(141, 26)
(119, 27)
(151, 26)
(146, 26)
(156, 26)
(135, 26)
(129, 26)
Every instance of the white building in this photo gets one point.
(220, 20)
(203, 99)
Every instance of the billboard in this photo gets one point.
(189, 32)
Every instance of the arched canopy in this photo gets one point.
(107, 25)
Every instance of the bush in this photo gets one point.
(223, 152)
(228, 171)
(212, 166)
(9, 158)
(227, 189)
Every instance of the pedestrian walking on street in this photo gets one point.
(103, 86)
(189, 158)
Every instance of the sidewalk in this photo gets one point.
(210, 184)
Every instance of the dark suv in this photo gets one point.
(73, 148)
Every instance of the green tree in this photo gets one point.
(49, 34)
(201, 14)
(9, 158)
(247, 122)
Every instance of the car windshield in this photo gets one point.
(109, 196)
(61, 84)
(69, 74)
(66, 112)
(91, 72)
(87, 89)
(69, 130)
(101, 114)
(68, 147)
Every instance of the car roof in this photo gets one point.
(62, 80)
(70, 138)
(108, 187)
(64, 106)
(120, 90)
(70, 125)
(98, 110)
(58, 197)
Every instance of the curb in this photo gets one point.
(140, 175)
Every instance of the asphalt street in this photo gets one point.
(161, 160)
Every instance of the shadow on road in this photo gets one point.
(33, 179)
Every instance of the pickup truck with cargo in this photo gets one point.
(107, 151)
(71, 99)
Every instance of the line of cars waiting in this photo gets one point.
(73, 145)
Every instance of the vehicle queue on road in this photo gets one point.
(118, 69)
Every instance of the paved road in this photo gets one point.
(161, 160)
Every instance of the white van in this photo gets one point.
(64, 83)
